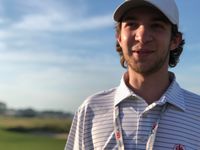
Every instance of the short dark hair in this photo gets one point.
(174, 54)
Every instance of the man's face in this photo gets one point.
(145, 39)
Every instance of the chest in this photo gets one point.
(176, 129)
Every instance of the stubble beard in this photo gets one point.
(152, 68)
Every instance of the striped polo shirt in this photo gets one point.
(179, 127)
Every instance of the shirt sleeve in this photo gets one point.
(74, 141)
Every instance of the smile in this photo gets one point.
(142, 52)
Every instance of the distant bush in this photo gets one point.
(35, 124)
(47, 129)
(27, 113)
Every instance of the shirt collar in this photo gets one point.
(122, 92)
(173, 95)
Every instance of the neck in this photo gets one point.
(150, 87)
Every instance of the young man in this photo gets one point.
(148, 110)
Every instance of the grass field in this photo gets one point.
(18, 141)
(31, 141)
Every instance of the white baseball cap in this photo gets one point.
(167, 7)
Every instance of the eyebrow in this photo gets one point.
(161, 19)
(126, 18)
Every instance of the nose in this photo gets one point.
(143, 35)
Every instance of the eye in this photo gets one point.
(158, 26)
(131, 24)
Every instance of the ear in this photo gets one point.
(118, 38)
(176, 40)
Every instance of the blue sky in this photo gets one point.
(53, 54)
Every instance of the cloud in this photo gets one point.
(57, 22)
(39, 22)
(63, 16)
(30, 57)
(53, 86)
(45, 55)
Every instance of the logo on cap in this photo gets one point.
(179, 147)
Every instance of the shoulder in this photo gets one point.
(191, 95)
(103, 99)
(192, 101)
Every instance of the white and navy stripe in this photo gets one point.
(92, 127)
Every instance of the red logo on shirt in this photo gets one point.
(179, 147)
(117, 134)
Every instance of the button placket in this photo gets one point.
(142, 128)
